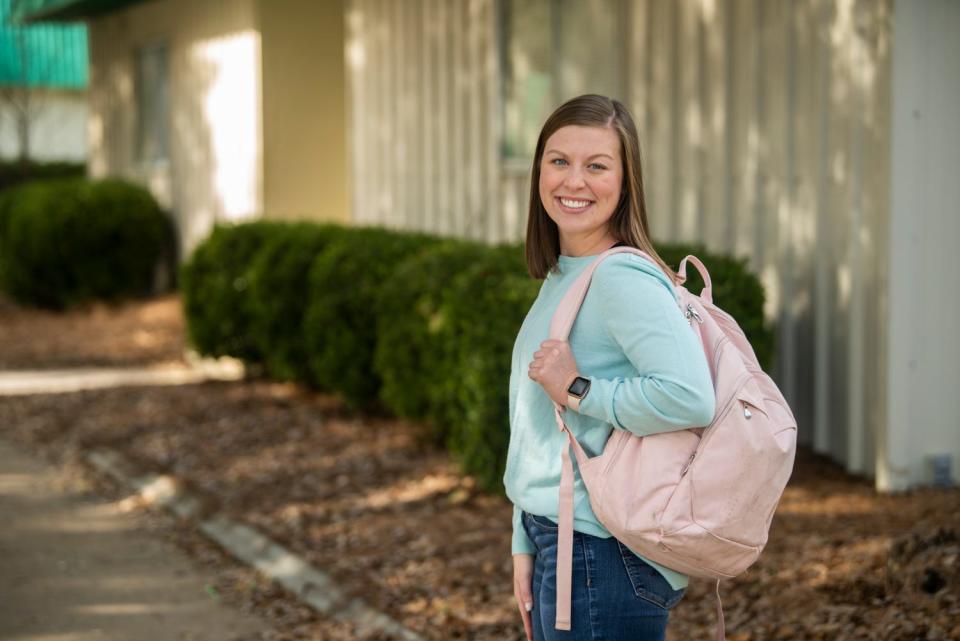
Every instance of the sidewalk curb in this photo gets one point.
(312, 586)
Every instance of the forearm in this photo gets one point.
(650, 404)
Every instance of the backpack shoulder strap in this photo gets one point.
(566, 314)
(560, 326)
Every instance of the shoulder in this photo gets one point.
(626, 272)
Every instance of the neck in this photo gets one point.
(586, 246)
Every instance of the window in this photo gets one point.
(529, 81)
(152, 96)
(555, 50)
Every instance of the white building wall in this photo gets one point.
(924, 374)
(58, 128)
(765, 129)
(424, 90)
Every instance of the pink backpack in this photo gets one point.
(698, 501)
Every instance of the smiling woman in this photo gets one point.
(588, 152)
(580, 186)
(631, 363)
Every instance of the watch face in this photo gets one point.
(579, 386)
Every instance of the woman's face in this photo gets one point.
(580, 177)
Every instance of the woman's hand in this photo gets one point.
(554, 367)
(523, 589)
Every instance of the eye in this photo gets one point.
(556, 160)
(597, 165)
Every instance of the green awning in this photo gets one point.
(44, 55)
(27, 11)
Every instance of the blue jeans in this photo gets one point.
(616, 596)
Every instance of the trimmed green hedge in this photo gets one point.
(6, 204)
(64, 242)
(279, 281)
(341, 319)
(13, 173)
(215, 287)
(484, 307)
(410, 352)
(409, 323)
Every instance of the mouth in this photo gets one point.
(573, 205)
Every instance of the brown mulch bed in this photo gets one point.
(396, 523)
(126, 334)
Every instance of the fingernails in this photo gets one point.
(528, 606)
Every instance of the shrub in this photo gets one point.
(483, 309)
(411, 316)
(408, 322)
(6, 202)
(13, 173)
(278, 295)
(341, 320)
(68, 241)
(215, 285)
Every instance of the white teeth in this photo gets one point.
(574, 204)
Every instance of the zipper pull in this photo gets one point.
(746, 411)
(691, 314)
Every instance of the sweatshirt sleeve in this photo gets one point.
(673, 389)
(521, 543)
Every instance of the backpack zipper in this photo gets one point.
(686, 465)
(691, 314)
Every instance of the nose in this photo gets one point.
(574, 178)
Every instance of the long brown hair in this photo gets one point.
(628, 223)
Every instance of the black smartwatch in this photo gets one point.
(577, 390)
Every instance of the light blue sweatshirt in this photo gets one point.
(647, 370)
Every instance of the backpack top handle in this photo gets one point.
(707, 293)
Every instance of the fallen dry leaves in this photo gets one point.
(126, 334)
(396, 523)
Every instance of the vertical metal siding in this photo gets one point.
(429, 89)
(765, 127)
(764, 133)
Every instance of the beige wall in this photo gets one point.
(214, 170)
(305, 159)
(257, 116)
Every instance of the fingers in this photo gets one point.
(525, 604)
(548, 350)
(523, 590)
(553, 356)
(527, 624)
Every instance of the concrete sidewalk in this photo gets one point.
(195, 370)
(76, 568)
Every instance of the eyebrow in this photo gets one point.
(557, 151)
